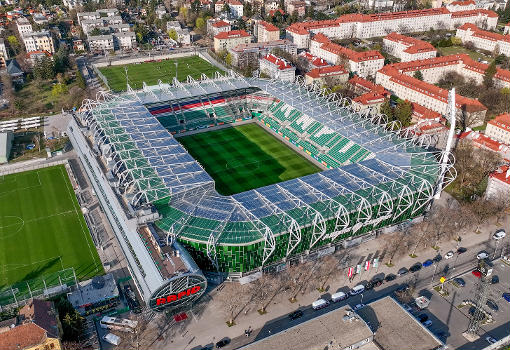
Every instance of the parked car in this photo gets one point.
(491, 340)
(506, 296)
(482, 255)
(499, 234)
(427, 323)
(415, 268)
(390, 277)
(402, 289)
(491, 304)
(358, 307)
(459, 281)
(427, 263)
(448, 255)
(476, 273)
(402, 271)
(461, 250)
(357, 289)
(495, 279)
(339, 296)
(422, 317)
(369, 285)
(319, 304)
(296, 314)
(438, 258)
(222, 343)
(407, 308)
(377, 282)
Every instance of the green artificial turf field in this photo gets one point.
(42, 230)
(245, 157)
(151, 72)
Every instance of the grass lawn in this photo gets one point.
(151, 72)
(245, 157)
(42, 229)
(452, 50)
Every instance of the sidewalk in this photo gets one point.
(211, 326)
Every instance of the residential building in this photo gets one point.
(6, 139)
(43, 314)
(498, 186)
(160, 11)
(407, 48)
(271, 5)
(277, 68)
(101, 43)
(3, 53)
(39, 18)
(365, 63)
(457, 6)
(35, 56)
(15, 72)
(72, 4)
(499, 128)
(28, 336)
(330, 76)
(23, 25)
(371, 100)
(362, 86)
(507, 29)
(216, 26)
(379, 5)
(482, 141)
(341, 329)
(380, 24)
(39, 41)
(183, 34)
(228, 40)
(312, 61)
(124, 40)
(267, 32)
(235, 6)
(423, 114)
(78, 45)
(485, 40)
(298, 6)
(245, 55)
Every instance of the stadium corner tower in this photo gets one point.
(171, 222)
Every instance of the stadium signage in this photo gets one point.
(174, 297)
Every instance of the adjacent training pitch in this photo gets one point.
(245, 157)
(42, 229)
(151, 72)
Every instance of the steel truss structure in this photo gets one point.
(393, 182)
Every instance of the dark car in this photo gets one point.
(369, 285)
(459, 281)
(427, 263)
(222, 343)
(461, 250)
(402, 289)
(296, 314)
(495, 279)
(415, 268)
(377, 282)
(491, 304)
(390, 277)
(506, 296)
(422, 317)
(402, 271)
(438, 258)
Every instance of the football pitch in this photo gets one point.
(42, 229)
(151, 72)
(245, 157)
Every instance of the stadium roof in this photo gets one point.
(147, 158)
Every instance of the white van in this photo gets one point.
(339, 296)
(357, 290)
(319, 304)
(112, 339)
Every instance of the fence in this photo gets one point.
(43, 286)
(22, 123)
(32, 165)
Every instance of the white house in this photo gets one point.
(407, 48)
(277, 68)
(23, 25)
(499, 128)
(483, 39)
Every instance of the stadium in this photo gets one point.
(366, 177)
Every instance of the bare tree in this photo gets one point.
(232, 299)
(395, 245)
(300, 278)
(264, 290)
(328, 267)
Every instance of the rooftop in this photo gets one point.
(350, 54)
(413, 45)
(21, 337)
(232, 34)
(42, 313)
(269, 27)
(502, 174)
(94, 290)
(335, 329)
(388, 317)
(219, 24)
(326, 71)
(501, 121)
(280, 62)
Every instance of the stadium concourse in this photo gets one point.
(370, 177)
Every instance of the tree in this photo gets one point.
(172, 34)
(195, 6)
(233, 298)
(505, 16)
(73, 324)
(228, 59)
(403, 113)
(488, 80)
(387, 110)
(58, 90)
(61, 59)
(456, 41)
(94, 32)
(241, 23)
(226, 8)
(418, 75)
(248, 9)
(200, 24)
(394, 246)
(80, 80)
(13, 43)
(7, 89)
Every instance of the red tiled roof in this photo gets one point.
(502, 174)
(314, 60)
(370, 98)
(350, 54)
(272, 12)
(424, 113)
(462, 3)
(367, 85)
(269, 27)
(232, 34)
(22, 336)
(501, 121)
(486, 142)
(414, 45)
(38, 53)
(477, 32)
(326, 71)
(475, 12)
(280, 62)
(220, 24)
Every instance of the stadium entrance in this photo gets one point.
(179, 293)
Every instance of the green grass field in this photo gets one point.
(151, 72)
(245, 157)
(42, 229)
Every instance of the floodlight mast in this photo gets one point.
(451, 133)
